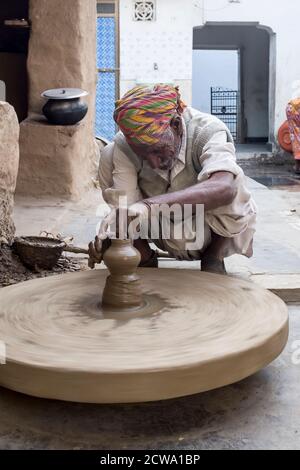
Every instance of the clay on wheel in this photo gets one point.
(194, 332)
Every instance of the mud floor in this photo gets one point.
(13, 271)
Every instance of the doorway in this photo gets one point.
(216, 86)
(108, 68)
(14, 38)
(256, 93)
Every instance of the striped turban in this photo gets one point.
(144, 114)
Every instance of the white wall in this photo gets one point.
(168, 41)
(213, 69)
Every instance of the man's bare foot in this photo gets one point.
(210, 264)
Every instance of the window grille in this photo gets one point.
(144, 11)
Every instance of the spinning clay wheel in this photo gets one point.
(174, 333)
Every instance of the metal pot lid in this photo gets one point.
(64, 93)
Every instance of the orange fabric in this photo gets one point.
(293, 115)
(284, 137)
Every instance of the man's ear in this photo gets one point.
(176, 125)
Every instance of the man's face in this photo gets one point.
(163, 154)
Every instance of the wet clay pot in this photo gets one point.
(122, 288)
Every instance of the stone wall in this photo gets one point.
(62, 53)
(9, 162)
(62, 49)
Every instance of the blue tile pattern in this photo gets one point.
(106, 86)
(106, 50)
(105, 105)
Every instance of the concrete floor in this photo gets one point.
(261, 412)
(245, 151)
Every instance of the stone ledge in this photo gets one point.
(54, 160)
(286, 286)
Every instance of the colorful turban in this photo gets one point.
(144, 114)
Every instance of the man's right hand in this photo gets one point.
(108, 220)
(138, 210)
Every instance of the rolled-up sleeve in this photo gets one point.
(217, 155)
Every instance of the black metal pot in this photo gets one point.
(65, 112)
(64, 106)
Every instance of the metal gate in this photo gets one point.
(225, 105)
(108, 68)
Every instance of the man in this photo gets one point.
(167, 153)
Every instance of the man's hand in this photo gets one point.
(140, 210)
(116, 199)
(108, 220)
(95, 252)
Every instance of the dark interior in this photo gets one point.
(14, 41)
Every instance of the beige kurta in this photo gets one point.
(235, 221)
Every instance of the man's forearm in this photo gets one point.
(218, 191)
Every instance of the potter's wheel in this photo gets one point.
(201, 332)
